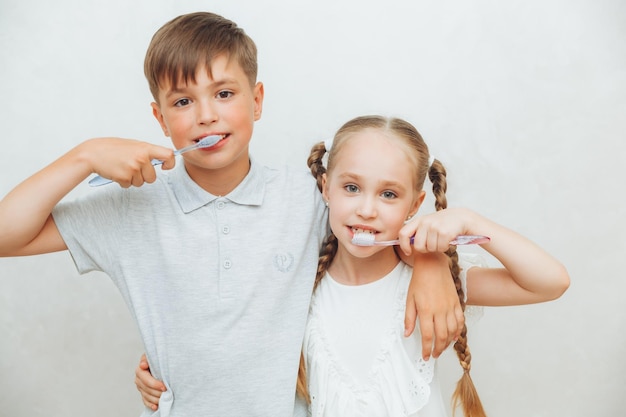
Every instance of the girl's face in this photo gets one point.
(371, 189)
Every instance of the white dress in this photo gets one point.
(358, 361)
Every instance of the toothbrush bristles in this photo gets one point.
(209, 141)
(363, 239)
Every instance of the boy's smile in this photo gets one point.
(217, 102)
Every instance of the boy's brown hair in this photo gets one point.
(192, 40)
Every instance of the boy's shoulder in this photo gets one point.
(287, 173)
(288, 183)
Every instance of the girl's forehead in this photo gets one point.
(371, 152)
(366, 140)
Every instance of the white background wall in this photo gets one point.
(524, 101)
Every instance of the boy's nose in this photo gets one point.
(206, 113)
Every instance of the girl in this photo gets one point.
(356, 360)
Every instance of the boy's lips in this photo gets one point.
(223, 135)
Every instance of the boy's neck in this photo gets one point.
(222, 181)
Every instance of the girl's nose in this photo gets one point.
(367, 208)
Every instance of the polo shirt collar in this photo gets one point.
(191, 196)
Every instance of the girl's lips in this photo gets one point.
(361, 229)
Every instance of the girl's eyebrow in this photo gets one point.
(347, 176)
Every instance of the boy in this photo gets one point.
(215, 258)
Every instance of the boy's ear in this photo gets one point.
(259, 93)
(156, 111)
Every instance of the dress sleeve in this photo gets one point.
(466, 262)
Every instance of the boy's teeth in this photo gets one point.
(355, 231)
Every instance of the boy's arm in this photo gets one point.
(432, 298)
(26, 224)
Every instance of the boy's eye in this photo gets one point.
(224, 94)
(351, 188)
(182, 102)
(389, 195)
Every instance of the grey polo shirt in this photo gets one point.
(219, 286)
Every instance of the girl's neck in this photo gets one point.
(350, 270)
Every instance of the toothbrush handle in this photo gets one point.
(467, 240)
(470, 240)
(98, 180)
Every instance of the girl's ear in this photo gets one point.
(324, 187)
(417, 203)
(156, 112)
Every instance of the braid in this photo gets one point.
(329, 247)
(315, 164)
(327, 253)
(465, 393)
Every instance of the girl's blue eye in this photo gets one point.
(351, 188)
(389, 195)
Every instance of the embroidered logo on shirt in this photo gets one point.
(283, 262)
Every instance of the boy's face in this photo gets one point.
(223, 103)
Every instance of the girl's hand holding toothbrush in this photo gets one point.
(434, 232)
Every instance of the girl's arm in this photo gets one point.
(149, 387)
(529, 274)
(26, 224)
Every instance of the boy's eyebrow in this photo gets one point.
(215, 85)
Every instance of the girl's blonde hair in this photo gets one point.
(465, 393)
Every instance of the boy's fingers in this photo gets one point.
(460, 321)
(410, 317)
(148, 174)
(426, 328)
(441, 335)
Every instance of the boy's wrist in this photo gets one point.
(430, 259)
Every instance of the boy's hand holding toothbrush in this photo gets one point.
(125, 161)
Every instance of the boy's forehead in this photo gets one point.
(220, 68)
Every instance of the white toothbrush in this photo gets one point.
(369, 239)
(205, 142)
